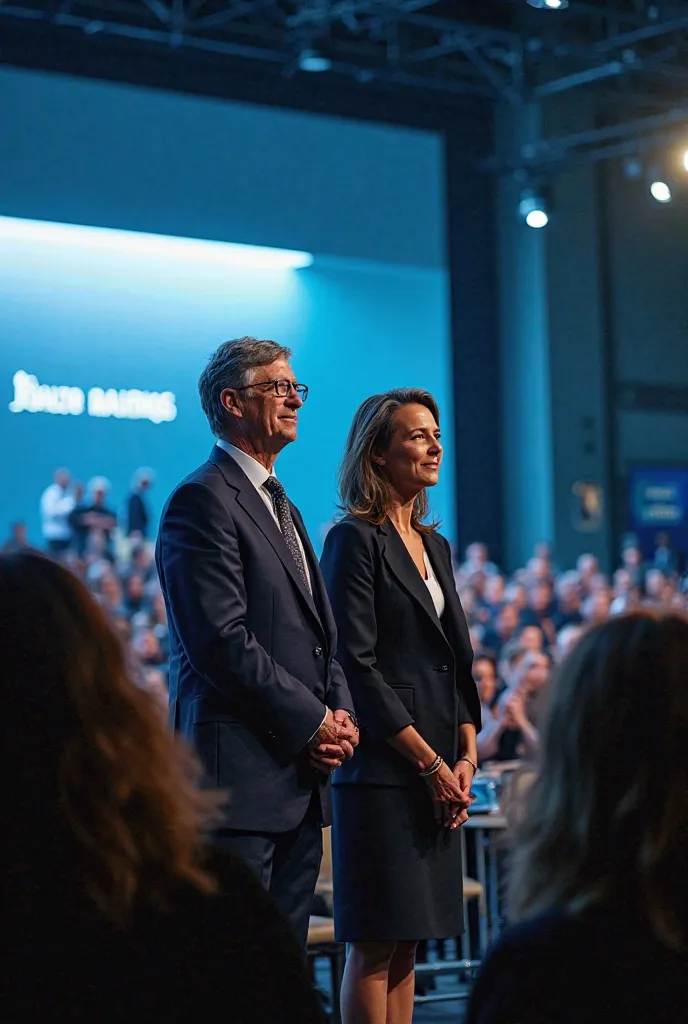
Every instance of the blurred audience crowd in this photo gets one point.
(523, 625)
(114, 556)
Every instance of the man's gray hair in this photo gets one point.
(231, 366)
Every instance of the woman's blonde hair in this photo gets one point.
(363, 490)
(606, 820)
(92, 751)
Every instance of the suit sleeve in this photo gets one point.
(203, 577)
(339, 696)
(469, 712)
(349, 570)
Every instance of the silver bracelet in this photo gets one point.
(434, 767)
(471, 763)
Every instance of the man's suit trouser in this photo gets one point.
(286, 864)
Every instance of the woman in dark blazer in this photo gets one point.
(405, 649)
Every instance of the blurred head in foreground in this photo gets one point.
(606, 820)
(103, 802)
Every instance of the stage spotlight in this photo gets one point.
(660, 190)
(533, 208)
(685, 160)
(313, 61)
(550, 5)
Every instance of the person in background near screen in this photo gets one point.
(18, 539)
(57, 503)
(404, 646)
(93, 522)
(599, 878)
(138, 514)
(254, 683)
(78, 526)
(112, 907)
(665, 558)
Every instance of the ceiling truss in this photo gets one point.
(629, 52)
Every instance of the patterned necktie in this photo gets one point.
(280, 504)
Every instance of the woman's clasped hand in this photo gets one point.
(450, 796)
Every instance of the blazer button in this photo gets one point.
(442, 668)
(318, 652)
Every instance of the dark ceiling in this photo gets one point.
(632, 56)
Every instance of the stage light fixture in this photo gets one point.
(685, 160)
(314, 61)
(660, 190)
(549, 5)
(533, 208)
(158, 247)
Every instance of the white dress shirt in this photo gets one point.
(258, 474)
(56, 506)
(434, 586)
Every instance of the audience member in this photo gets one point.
(532, 638)
(665, 559)
(57, 502)
(113, 908)
(511, 731)
(98, 519)
(567, 639)
(588, 569)
(138, 513)
(538, 570)
(134, 592)
(596, 607)
(510, 661)
(632, 562)
(504, 628)
(599, 874)
(17, 541)
(485, 675)
(516, 594)
(621, 592)
(143, 562)
(567, 610)
(477, 560)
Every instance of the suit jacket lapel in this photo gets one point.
(255, 507)
(404, 568)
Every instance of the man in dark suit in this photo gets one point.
(138, 517)
(253, 680)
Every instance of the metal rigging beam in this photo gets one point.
(639, 35)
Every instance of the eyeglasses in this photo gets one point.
(280, 387)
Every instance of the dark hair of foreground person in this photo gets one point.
(113, 907)
(599, 876)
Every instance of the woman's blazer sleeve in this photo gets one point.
(468, 707)
(348, 565)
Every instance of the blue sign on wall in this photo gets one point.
(659, 503)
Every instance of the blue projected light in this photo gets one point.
(105, 333)
(230, 254)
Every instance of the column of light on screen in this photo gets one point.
(230, 254)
